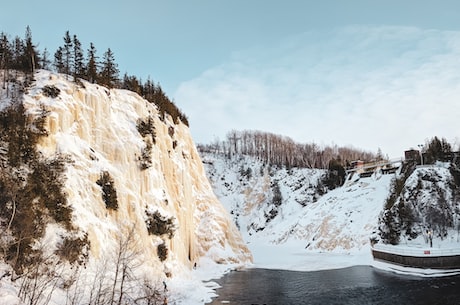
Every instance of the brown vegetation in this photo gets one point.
(280, 150)
(31, 188)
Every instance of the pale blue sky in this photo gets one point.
(320, 71)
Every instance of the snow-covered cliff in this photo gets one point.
(305, 228)
(97, 130)
(423, 203)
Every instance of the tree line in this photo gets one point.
(281, 150)
(21, 54)
(437, 149)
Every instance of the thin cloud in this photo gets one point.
(370, 87)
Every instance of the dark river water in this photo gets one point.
(356, 285)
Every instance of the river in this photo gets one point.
(355, 285)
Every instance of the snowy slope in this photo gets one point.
(310, 232)
(338, 223)
(428, 202)
(96, 128)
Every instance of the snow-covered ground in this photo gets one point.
(340, 221)
(311, 232)
(305, 231)
(292, 256)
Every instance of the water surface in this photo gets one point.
(355, 285)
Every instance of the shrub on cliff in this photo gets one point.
(74, 249)
(146, 127)
(162, 252)
(109, 193)
(51, 91)
(159, 225)
(31, 188)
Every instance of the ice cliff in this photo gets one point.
(97, 130)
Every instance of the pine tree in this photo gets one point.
(148, 89)
(67, 53)
(4, 50)
(45, 60)
(109, 73)
(30, 54)
(389, 228)
(132, 83)
(91, 67)
(59, 60)
(277, 196)
(437, 150)
(5, 59)
(17, 54)
(78, 65)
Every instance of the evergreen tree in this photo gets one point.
(78, 65)
(437, 150)
(335, 176)
(67, 53)
(5, 58)
(389, 227)
(91, 67)
(30, 55)
(17, 52)
(446, 149)
(59, 60)
(45, 60)
(148, 89)
(277, 196)
(109, 193)
(5, 51)
(22, 55)
(132, 83)
(109, 73)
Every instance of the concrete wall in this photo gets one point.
(433, 262)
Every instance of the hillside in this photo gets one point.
(114, 196)
(306, 219)
(307, 227)
(424, 201)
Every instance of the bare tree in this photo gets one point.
(39, 282)
(115, 280)
(125, 263)
(75, 289)
(151, 294)
(283, 151)
(99, 292)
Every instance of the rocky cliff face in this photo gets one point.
(157, 176)
(287, 206)
(423, 202)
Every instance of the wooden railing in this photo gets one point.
(374, 165)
